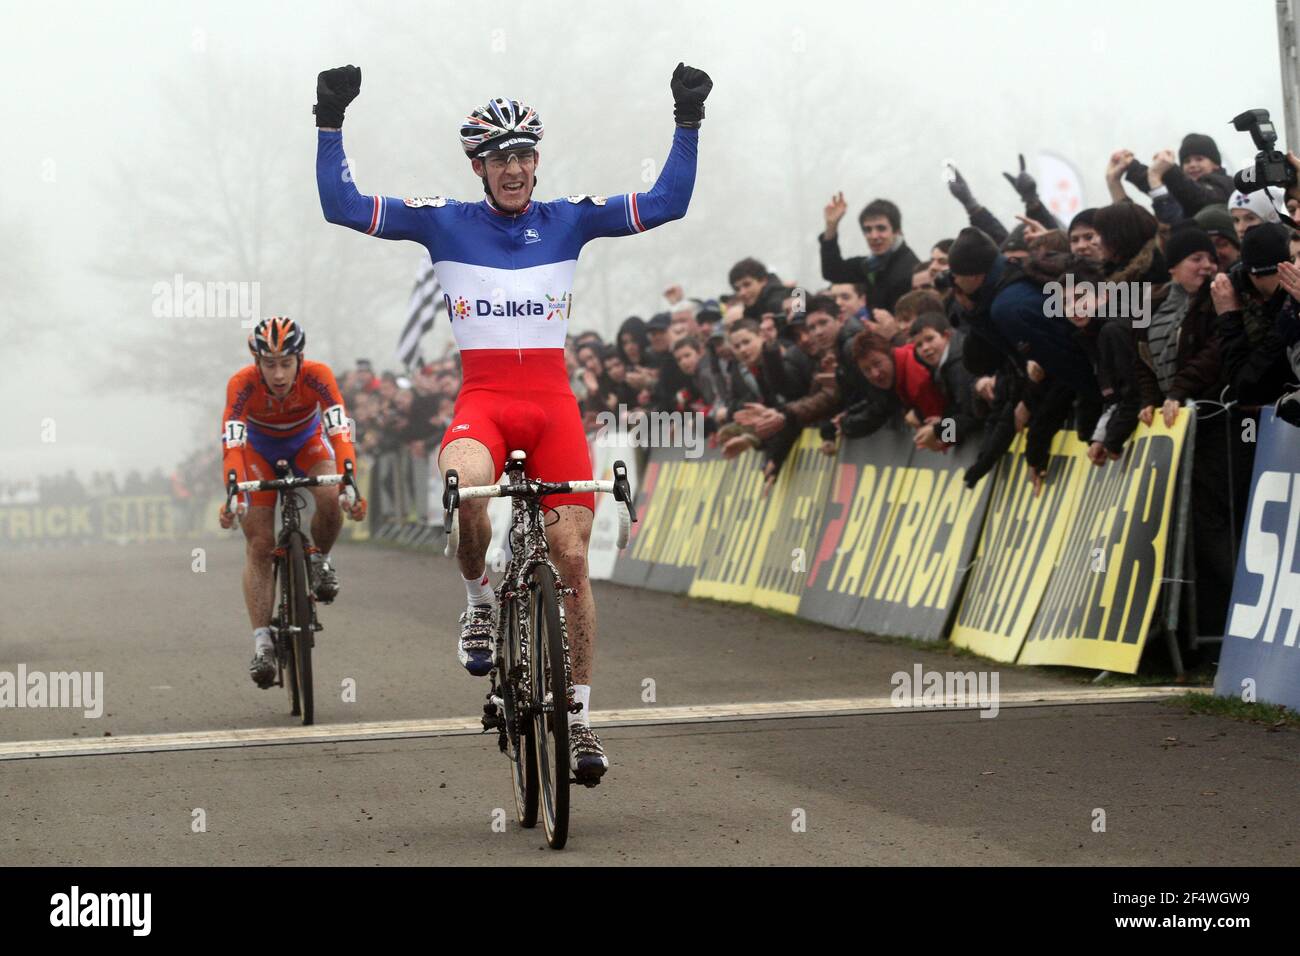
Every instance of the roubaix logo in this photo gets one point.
(555, 307)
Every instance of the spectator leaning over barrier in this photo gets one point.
(887, 271)
(699, 393)
(1179, 352)
(1006, 310)
(1217, 221)
(940, 349)
(835, 384)
(1107, 341)
(1179, 359)
(764, 377)
(888, 367)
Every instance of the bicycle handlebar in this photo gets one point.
(453, 493)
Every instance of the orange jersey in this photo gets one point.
(314, 404)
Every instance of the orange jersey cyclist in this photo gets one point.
(506, 264)
(283, 407)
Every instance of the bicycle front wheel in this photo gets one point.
(302, 634)
(521, 745)
(550, 679)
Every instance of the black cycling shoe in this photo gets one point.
(326, 580)
(477, 634)
(587, 757)
(262, 669)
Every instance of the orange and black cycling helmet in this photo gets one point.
(277, 335)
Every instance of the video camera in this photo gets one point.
(1271, 167)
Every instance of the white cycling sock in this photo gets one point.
(262, 640)
(582, 694)
(478, 591)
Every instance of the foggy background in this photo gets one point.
(145, 141)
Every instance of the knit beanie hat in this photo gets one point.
(972, 253)
(1198, 144)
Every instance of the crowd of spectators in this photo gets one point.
(1118, 316)
(68, 489)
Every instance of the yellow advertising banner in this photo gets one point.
(1097, 608)
(1022, 536)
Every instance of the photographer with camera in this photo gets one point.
(1248, 301)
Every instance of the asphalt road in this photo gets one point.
(893, 787)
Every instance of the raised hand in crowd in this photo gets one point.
(834, 212)
(1161, 163)
(1023, 183)
(1119, 161)
(674, 294)
(960, 189)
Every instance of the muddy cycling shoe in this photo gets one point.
(325, 579)
(586, 756)
(262, 669)
(477, 631)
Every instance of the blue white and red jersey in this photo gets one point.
(507, 278)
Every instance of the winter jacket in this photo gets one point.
(886, 277)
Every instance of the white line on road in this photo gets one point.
(459, 726)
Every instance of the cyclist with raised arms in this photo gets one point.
(284, 406)
(506, 266)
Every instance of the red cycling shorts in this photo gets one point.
(547, 427)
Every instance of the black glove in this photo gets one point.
(961, 192)
(1137, 175)
(690, 89)
(335, 89)
(1023, 183)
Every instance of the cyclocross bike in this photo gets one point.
(294, 626)
(531, 671)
